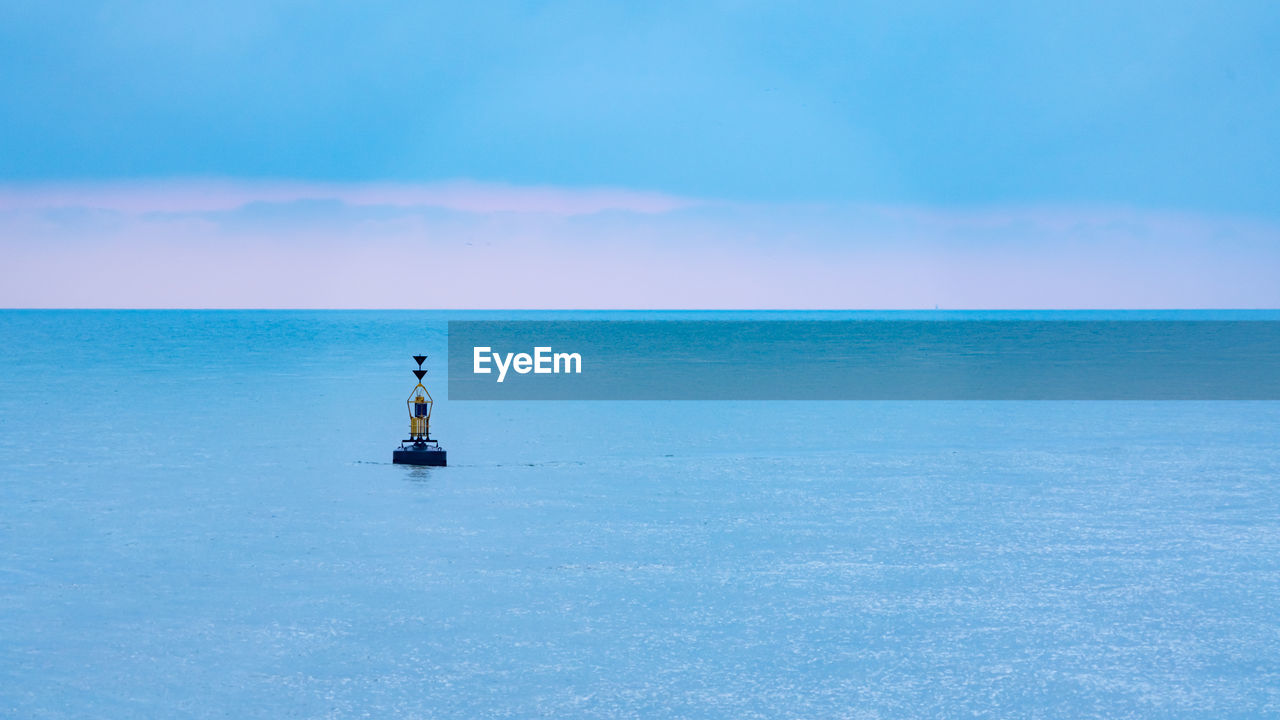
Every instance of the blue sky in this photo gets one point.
(1139, 110)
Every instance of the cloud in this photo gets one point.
(470, 245)
(189, 197)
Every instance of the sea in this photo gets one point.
(199, 519)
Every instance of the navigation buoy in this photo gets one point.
(419, 448)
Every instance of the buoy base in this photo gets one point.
(419, 454)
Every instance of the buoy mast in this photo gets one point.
(420, 403)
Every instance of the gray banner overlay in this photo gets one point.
(867, 360)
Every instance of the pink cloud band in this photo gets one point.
(213, 244)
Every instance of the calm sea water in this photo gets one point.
(198, 518)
